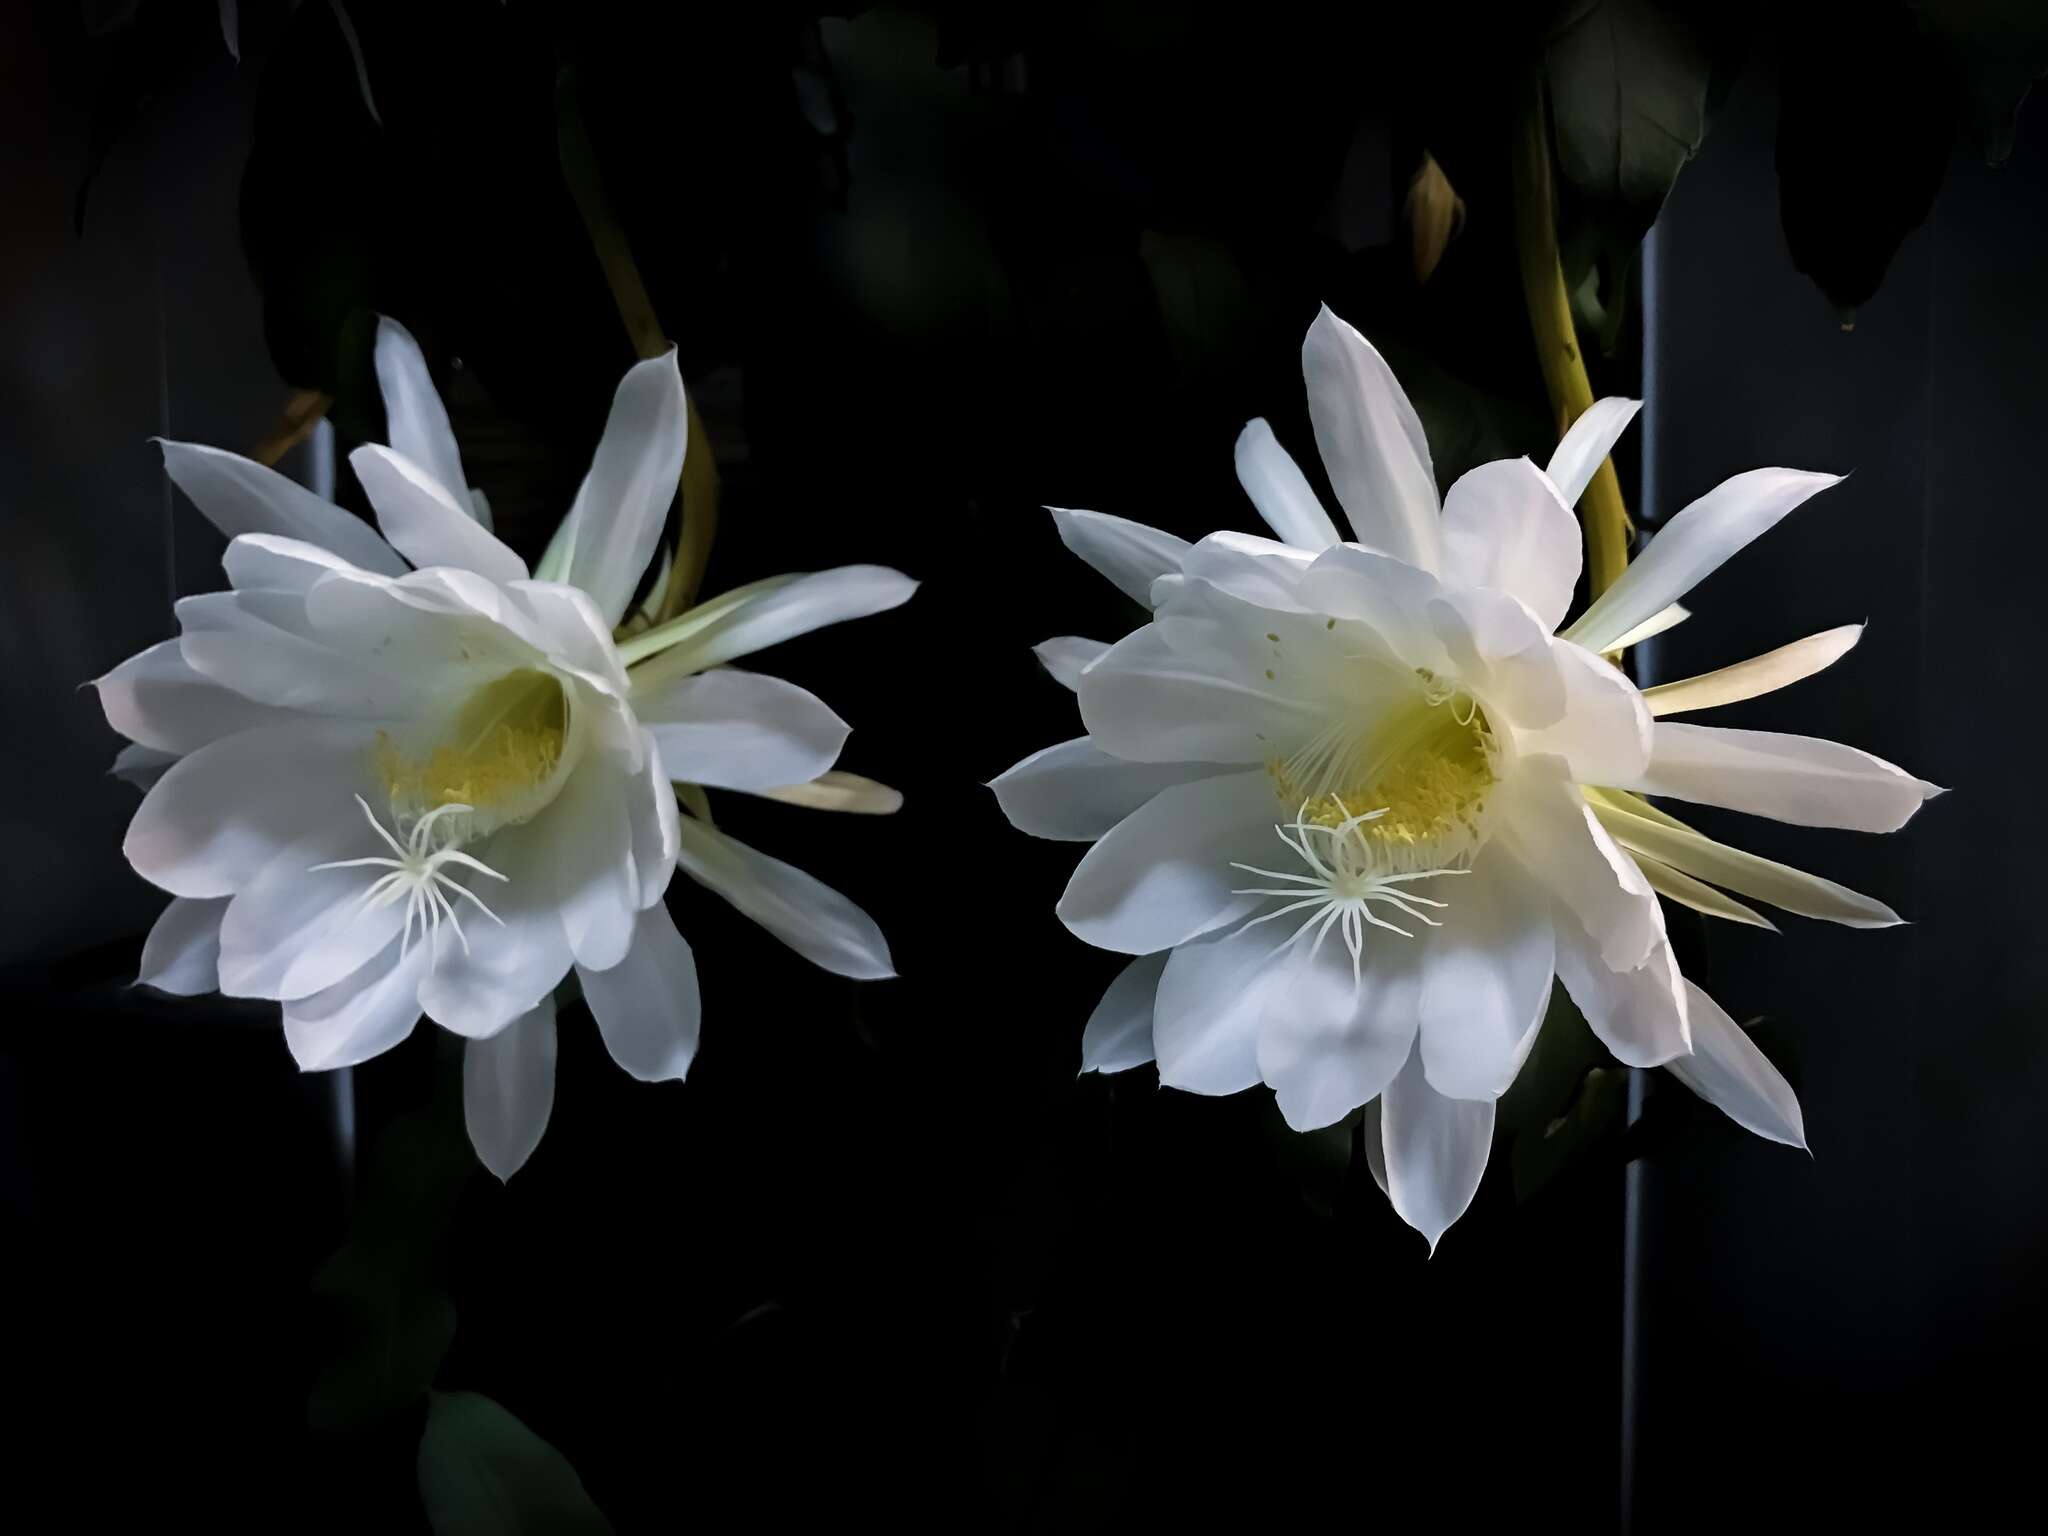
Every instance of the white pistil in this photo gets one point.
(1344, 879)
(417, 877)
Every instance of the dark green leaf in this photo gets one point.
(2000, 48)
(1866, 121)
(1594, 1119)
(483, 1473)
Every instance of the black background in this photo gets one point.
(882, 1256)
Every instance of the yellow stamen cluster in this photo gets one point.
(506, 743)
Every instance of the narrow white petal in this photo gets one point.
(1076, 792)
(617, 517)
(1701, 897)
(775, 612)
(1066, 657)
(1146, 701)
(1505, 527)
(1280, 490)
(1130, 554)
(1119, 1032)
(416, 418)
(182, 953)
(1603, 733)
(1637, 827)
(1372, 443)
(1435, 1150)
(141, 766)
(1800, 779)
(1587, 442)
(508, 1089)
(1668, 617)
(839, 791)
(806, 914)
(648, 1007)
(740, 730)
(1730, 1073)
(1691, 546)
(423, 520)
(1759, 675)
(240, 496)
(1162, 875)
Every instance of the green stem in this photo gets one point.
(1602, 509)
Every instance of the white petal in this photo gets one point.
(1148, 702)
(218, 816)
(509, 967)
(1505, 527)
(1799, 779)
(1119, 1032)
(1330, 1043)
(567, 621)
(360, 1017)
(1253, 569)
(1691, 546)
(1759, 675)
(1162, 875)
(776, 612)
(1130, 554)
(1211, 1002)
(416, 418)
(740, 730)
(141, 766)
(1435, 1149)
(651, 815)
(293, 930)
(508, 1089)
(262, 646)
(837, 791)
(1669, 617)
(1486, 977)
(423, 520)
(1371, 441)
(1066, 657)
(1603, 735)
(1730, 1073)
(239, 496)
(1640, 828)
(1373, 1133)
(1553, 833)
(155, 698)
(1280, 490)
(1386, 595)
(618, 514)
(269, 562)
(1639, 1014)
(589, 849)
(647, 1006)
(1588, 441)
(182, 953)
(1076, 792)
(806, 914)
(1500, 651)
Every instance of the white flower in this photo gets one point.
(1358, 722)
(362, 734)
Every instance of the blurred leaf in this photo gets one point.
(1204, 302)
(1564, 1052)
(2000, 48)
(388, 1317)
(1318, 1162)
(1866, 121)
(483, 1473)
(1627, 82)
(1435, 213)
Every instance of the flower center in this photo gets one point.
(498, 760)
(1426, 770)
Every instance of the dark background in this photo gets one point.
(882, 1257)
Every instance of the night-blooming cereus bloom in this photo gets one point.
(398, 774)
(1356, 804)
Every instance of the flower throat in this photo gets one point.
(497, 759)
(1428, 766)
